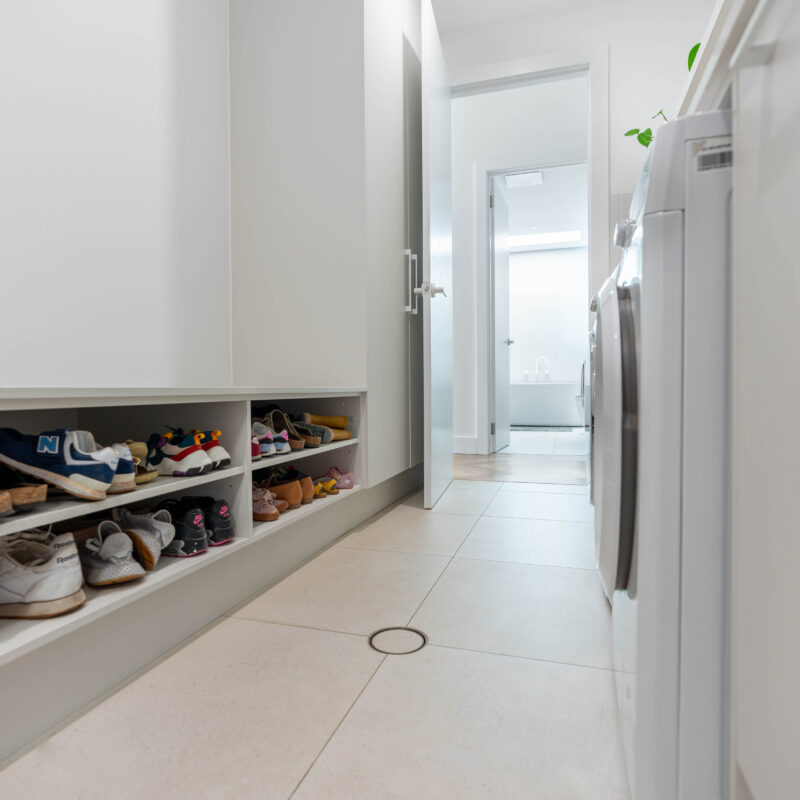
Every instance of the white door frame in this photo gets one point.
(592, 61)
(491, 344)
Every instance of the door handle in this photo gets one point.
(412, 266)
(508, 341)
(430, 289)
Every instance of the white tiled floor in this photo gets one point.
(512, 698)
(547, 443)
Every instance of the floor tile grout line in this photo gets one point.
(521, 563)
(450, 561)
(336, 729)
(301, 627)
(523, 658)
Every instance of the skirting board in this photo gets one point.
(466, 445)
(41, 689)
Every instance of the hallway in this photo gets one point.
(512, 697)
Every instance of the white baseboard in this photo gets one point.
(466, 445)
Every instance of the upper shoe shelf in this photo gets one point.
(111, 417)
(70, 507)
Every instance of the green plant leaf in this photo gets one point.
(632, 132)
(693, 55)
(645, 137)
(660, 113)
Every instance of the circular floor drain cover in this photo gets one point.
(398, 641)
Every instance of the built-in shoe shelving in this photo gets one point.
(115, 417)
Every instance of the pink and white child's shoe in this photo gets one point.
(344, 480)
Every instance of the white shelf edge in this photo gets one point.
(307, 452)
(22, 398)
(37, 633)
(263, 529)
(60, 510)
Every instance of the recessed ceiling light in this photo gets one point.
(521, 180)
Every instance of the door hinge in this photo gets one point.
(493, 430)
(491, 201)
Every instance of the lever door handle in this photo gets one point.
(430, 289)
(509, 341)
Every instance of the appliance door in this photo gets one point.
(624, 613)
(608, 434)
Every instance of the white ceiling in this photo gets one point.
(463, 13)
(559, 204)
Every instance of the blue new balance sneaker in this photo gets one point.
(65, 458)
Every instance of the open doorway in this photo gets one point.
(539, 298)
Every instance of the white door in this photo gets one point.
(500, 424)
(437, 315)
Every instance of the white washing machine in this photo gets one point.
(670, 604)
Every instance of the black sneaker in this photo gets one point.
(218, 519)
(191, 536)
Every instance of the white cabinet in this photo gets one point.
(766, 385)
(320, 156)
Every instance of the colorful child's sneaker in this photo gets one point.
(65, 458)
(177, 454)
(125, 476)
(266, 438)
(219, 456)
(255, 448)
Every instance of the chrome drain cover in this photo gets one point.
(398, 641)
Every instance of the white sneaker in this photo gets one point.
(150, 533)
(107, 557)
(38, 579)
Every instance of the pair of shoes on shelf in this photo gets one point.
(200, 523)
(123, 547)
(342, 480)
(290, 485)
(179, 454)
(16, 496)
(331, 428)
(266, 442)
(142, 472)
(267, 506)
(278, 420)
(40, 575)
(70, 460)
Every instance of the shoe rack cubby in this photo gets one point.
(120, 629)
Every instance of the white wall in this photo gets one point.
(535, 125)
(548, 299)
(114, 241)
(648, 41)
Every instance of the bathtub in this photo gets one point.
(548, 403)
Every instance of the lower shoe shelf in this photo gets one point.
(18, 637)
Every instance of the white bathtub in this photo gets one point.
(547, 403)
